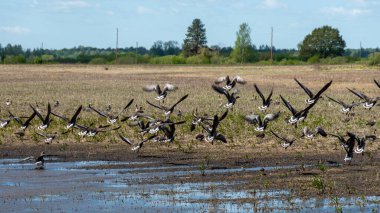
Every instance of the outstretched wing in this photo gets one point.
(121, 111)
(288, 105)
(125, 139)
(179, 101)
(336, 101)
(260, 93)
(308, 92)
(98, 111)
(377, 83)
(324, 88)
(359, 94)
(74, 118)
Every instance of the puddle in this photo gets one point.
(75, 186)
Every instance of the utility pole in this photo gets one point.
(137, 46)
(271, 44)
(117, 42)
(360, 52)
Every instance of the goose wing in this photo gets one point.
(126, 107)
(337, 101)
(98, 111)
(288, 105)
(308, 92)
(74, 118)
(253, 119)
(126, 140)
(169, 87)
(359, 94)
(179, 101)
(220, 79)
(323, 89)
(377, 83)
(260, 93)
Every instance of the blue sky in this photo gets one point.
(69, 23)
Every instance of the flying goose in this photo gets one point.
(231, 97)
(213, 134)
(230, 83)
(348, 144)
(45, 121)
(5, 122)
(285, 142)
(23, 125)
(313, 98)
(111, 119)
(261, 124)
(48, 138)
(306, 132)
(136, 146)
(161, 94)
(297, 115)
(169, 132)
(361, 141)
(205, 120)
(168, 110)
(70, 123)
(266, 101)
(39, 162)
(345, 107)
(92, 131)
(368, 102)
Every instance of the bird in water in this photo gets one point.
(39, 161)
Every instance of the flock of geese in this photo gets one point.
(152, 129)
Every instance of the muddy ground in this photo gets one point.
(306, 173)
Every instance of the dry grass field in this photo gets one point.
(74, 85)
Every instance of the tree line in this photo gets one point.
(322, 45)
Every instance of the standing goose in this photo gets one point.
(266, 101)
(111, 119)
(313, 98)
(297, 115)
(136, 146)
(261, 124)
(168, 110)
(368, 102)
(285, 142)
(307, 133)
(161, 94)
(231, 97)
(346, 108)
(70, 123)
(230, 83)
(45, 121)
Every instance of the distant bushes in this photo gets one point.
(374, 59)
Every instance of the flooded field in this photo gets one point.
(114, 186)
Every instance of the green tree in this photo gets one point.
(195, 38)
(157, 49)
(323, 42)
(243, 51)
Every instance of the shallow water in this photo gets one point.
(73, 187)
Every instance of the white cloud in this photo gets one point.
(272, 4)
(15, 30)
(71, 4)
(345, 11)
(145, 11)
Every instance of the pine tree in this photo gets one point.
(195, 38)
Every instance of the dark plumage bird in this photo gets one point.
(346, 108)
(348, 144)
(368, 102)
(231, 97)
(285, 141)
(169, 132)
(168, 110)
(111, 118)
(39, 162)
(261, 124)
(161, 94)
(213, 134)
(266, 101)
(313, 98)
(297, 115)
(136, 146)
(309, 134)
(361, 142)
(45, 121)
(230, 83)
(23, 125)
(205, 120)
(70, 123)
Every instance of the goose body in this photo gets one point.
(230, 83)
(261, 124)
(161, 93)
(231, 97)
(265, 101)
